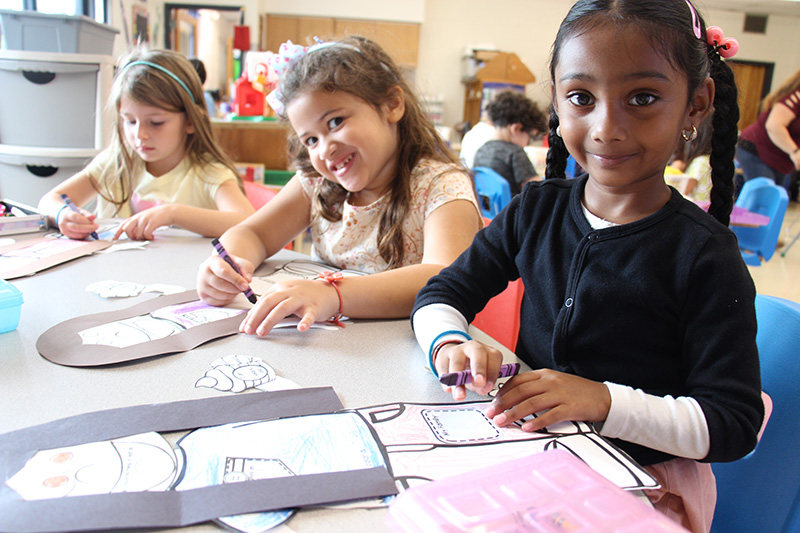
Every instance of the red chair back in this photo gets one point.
(500, 318)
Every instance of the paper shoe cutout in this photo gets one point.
(168, 324)
(30, 256)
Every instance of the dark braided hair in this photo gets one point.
(668, 25)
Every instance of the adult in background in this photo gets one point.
(770, 147)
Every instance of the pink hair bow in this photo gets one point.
(279, 63)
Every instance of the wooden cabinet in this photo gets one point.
(399, 39)
(254, 142)
(502, 71)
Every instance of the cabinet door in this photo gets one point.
(299, 30)
(399, 39)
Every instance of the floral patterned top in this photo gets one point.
(352, 242)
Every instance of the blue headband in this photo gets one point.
(162, 69)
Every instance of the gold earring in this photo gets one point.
(692, 136)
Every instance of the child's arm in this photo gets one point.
(448, 231)
(75, 225)
(252, 241)
(232, 208)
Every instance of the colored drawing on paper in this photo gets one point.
(138, 463)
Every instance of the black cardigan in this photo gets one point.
(664, 304)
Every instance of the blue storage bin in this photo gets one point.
(10, 306)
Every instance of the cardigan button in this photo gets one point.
(569, 302)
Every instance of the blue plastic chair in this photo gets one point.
(763, 197)
(761, 492)
(494, 192)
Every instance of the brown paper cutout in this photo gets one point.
(41, 253)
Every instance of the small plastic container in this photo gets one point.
(549, 492)
(10, 306)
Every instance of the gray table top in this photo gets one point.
(369, 362)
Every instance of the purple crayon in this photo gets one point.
(465, 376)
(225, 257)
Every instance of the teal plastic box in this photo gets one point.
(10, 306)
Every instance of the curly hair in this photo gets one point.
(511, 107)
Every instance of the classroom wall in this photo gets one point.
(528, 28)
(525, 27)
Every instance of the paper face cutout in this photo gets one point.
(129, 464)
(30, 256)
(168, 324)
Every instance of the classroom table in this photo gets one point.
(368, 362)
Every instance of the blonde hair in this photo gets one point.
(362, 68)
(788, 87)
(176, 89)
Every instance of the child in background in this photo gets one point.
(692, 166)
(517, 120)
(638, 313)
(375, 183)
(163, 166)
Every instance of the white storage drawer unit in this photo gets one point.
(42, 32)
(55, 100)
(26, 174)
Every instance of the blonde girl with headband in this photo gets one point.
(163, 166)
(376, 185)
(638, 313)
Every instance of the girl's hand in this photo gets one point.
(76, 225)
(557, 396)
(311, 300)
(218, 284)
(141, 226)
(484, 361)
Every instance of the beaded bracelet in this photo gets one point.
(332, 278)
(434, 350)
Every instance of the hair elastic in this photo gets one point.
(725, 46)
(162, 69)
(332, 278)
(434, 345)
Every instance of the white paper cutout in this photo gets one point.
(237, 373)
(157, 325)
(137, 463)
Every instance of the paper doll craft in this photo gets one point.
(168, 324)
(426, 442)
(176, 508)
(30, 256)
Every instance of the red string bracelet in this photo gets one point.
(442, 345)
(332, 278)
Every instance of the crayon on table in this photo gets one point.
(465, 376)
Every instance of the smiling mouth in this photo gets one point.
(342, 164)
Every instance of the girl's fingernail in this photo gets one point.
(500, 419)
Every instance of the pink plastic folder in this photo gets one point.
(547, 492)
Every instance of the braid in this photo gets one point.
(723, 140)
(557, 154)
